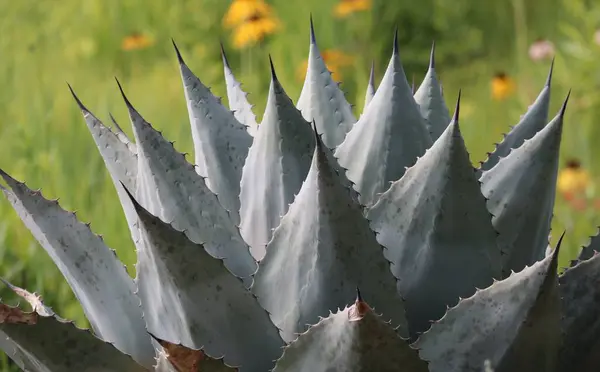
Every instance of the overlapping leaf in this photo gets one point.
(521, 190)
(437, 231)
(323, 101)
(96, 276)
(354, 339)
(515, 324)
(322, 250)
(190, 298)
(221, 142)
(277, 164)
(388, 137)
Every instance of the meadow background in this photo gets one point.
(45, 142)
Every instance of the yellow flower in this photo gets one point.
(241, 11)
(253, 30)
(502, 86)
(346, 7)
(334, 59)
(573, 179)
(136, 41)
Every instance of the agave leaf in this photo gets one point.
(33, 299)
(430, 101)
(532, 122)
(277, 164)
(162, 362)
(322, 100)
(50, 344)
(354, 339)
(437, 231)
(96, 276)
(389, 137)
(581, 326)
(122, 136)
(170, 188)
(190, 298)
(120, 158)
(521, 190)
(322, 250)
(515, 324)
(370, 86)
(181, 358)
(221, 142)
(238, 98)
(590, 250)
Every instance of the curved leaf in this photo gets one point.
(50, 344)
(221, 142)
(171, 188)
(96, 276)
(590, 250)
(277, 164)
(323, 101)
(437, 231)
(521, 190)
(580, 308)
(322, 250)
(431, 102)
(515, 324)
(389, 136)
(354, 339)
(532, 122)
(238, 99)
(190, 298)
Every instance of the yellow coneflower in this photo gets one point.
(334, 59)
(136, 41)
(241, 10)
(346, 7)
(502, 86)
(573, 180)
(254, 30)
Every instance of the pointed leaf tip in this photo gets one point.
(313, 38)
(564, 105)
(549, 78)
(179, 57)
(358, 295)
(273, 74)
(223, 55)
(127, 102)
(79, 103)
(395, 50)
(432, 56)
(457, 109)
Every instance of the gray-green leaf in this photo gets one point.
(389, 136)
(521, 190)
(431, 102)
(322, 250)
(190, 298)
(53, 345)
(515, 324)
(221, 142)
(96, 276)
(277, 164)
(170, 187)
(323, 101)
(370, 87)
(437, 231)
(354, 339)
(238, 98)
(532, 122)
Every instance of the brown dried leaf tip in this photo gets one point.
(182, 358)
(359, 309)
(14, 315)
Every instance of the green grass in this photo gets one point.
(45, 142)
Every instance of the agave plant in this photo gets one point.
(255, 257)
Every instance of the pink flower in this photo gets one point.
(597, 37)
(541, 49)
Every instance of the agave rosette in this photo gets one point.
(251, 258)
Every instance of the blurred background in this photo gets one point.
(497, 52)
